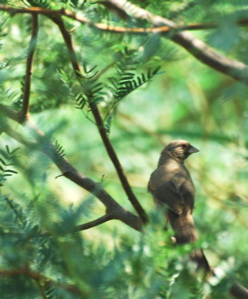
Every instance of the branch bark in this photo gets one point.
(197, 48)
(42, 143)
(200, 50)
(99, 122)
(26, 92)
(103, 219)
(238, 291)
(115, 29)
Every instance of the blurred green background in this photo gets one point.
(186, 100)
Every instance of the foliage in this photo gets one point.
(148, 92)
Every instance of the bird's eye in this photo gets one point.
(184, 146)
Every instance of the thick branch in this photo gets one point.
(29, 64)
(238, 291)
(95, 188)
(95, 111)
(200, 50)
(195, 46)
(113, 209)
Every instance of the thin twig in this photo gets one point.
(103, 219)
(98, 119)
(141, 126)
(69, 44)
(116, 29)
(99, 74)
(29, 64)
(87, 225)
(201, 51)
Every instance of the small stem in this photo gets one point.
(29, 65)
(96, 222)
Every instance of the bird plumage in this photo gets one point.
(171, 185)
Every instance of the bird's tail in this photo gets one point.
(183, 227)
(186, 233)
(199, 257)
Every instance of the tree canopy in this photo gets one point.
(91, 92)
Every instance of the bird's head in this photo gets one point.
(179, 149)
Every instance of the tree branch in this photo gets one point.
(200, 50)
(238, 291)
(26, 91)
(103, 219)
(95, 111)
(42, 143)
(116, 29)
(195, 46)
(38, 277)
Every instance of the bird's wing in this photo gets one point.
(169, 193)
(171, 184)
(176, 191)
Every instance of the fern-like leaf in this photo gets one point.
(59, 149)
(129, 84)
(92, 89)
(5, 162)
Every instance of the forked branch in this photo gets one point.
(99, 122)
(200, 50)
(42, 143)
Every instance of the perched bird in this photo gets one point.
(171, 186)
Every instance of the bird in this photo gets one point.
(172, 187)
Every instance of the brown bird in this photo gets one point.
(171, 185)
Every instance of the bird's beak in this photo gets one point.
(192, 150)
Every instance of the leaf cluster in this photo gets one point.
(40, 253)
(6, 158)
